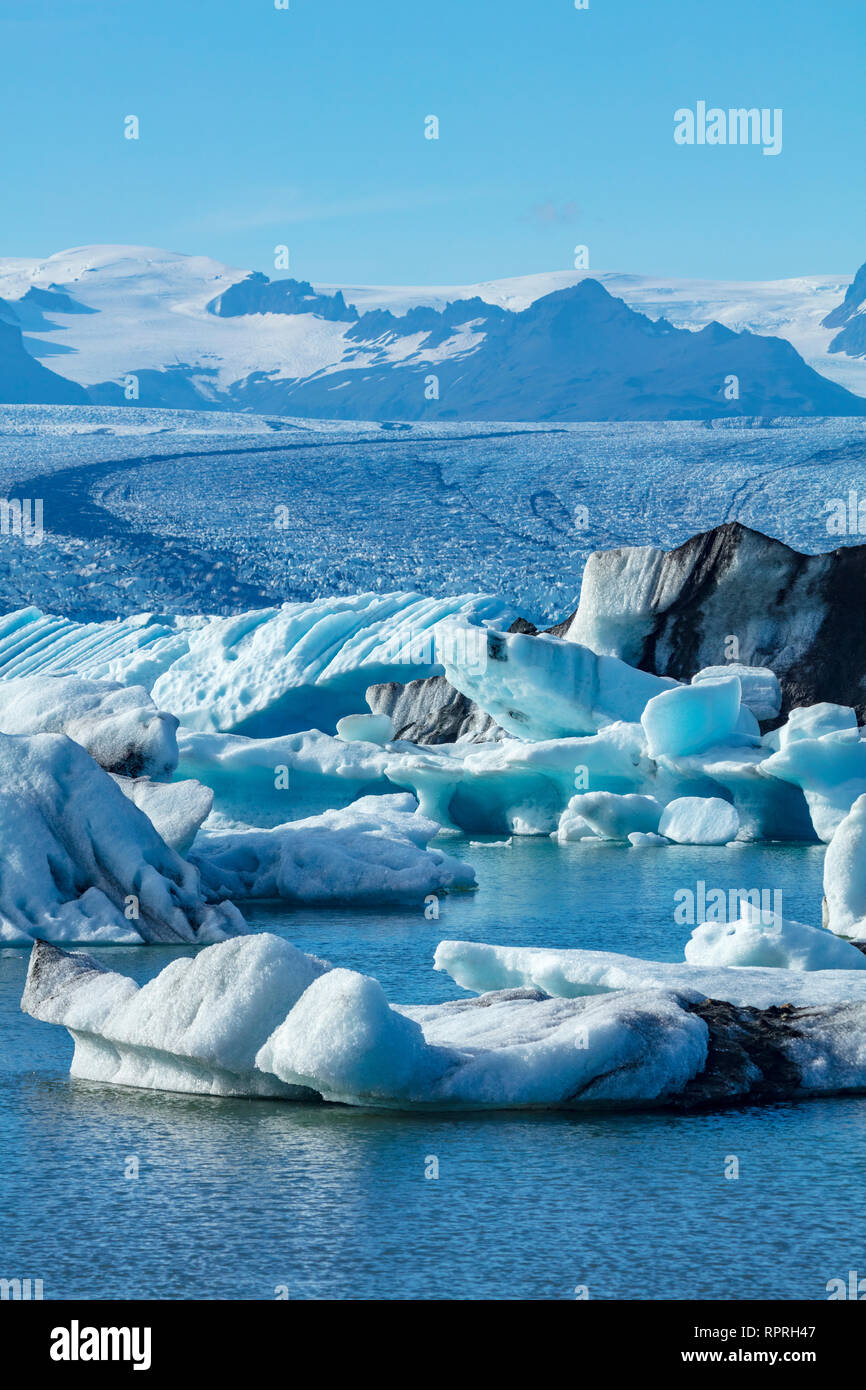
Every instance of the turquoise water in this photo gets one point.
(237, 1199)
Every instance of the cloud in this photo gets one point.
(549, 214)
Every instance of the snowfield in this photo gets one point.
(150, 310)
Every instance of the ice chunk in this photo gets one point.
(814, 721)
(829, 767)
(305, 665)
(845, 875)
(693, 718)
(543, 688)
(695, 820)
(345, 1041)
(262, 1019)
(121, 728)
(571, 974)
(610, 815)
(760, 689)
(81, 862)
(638, 840)
(755, 940)
(176, 810)
(196, 1026)
(365, 728)
(376, 850)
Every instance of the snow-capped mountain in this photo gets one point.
(134, 324)
(850, 319)
(23, 380)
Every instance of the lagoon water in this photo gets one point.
(260, 1199)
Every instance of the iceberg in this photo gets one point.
(120, 727)
(375, 851)
(571, 974)
(262, 1019)
(540, 687)
(755, 940)
(256, 1017)
(845, 875)
(81, 862)
(696, 820)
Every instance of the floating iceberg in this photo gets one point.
(374, 851)
(570, 974)
(699, 820)
(610, 815)
(262, 1019)
(256, 1017)
(81, 862)
(755, 940)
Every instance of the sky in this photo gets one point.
(305, 127)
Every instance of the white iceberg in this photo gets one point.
(375, 851)
(756, 940)
(120, 727)
(81, 862)
(256, 1017)
(570, 974)
(610, 815)
(699, 820)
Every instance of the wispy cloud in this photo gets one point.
(550, 214)
(290, 208)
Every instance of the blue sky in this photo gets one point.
(306, 127)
